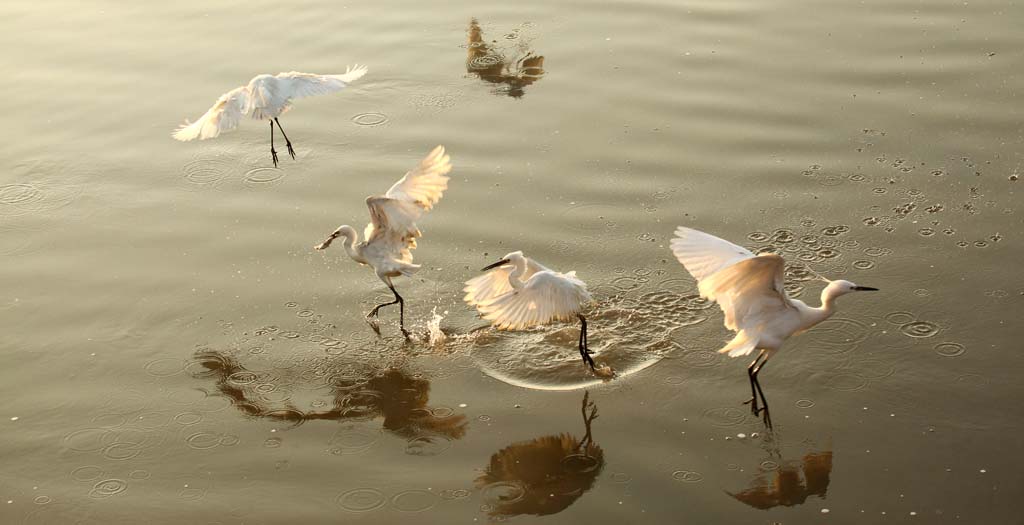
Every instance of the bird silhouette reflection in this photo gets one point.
(391, 394)
(544, 475)
(791, 483)
(510, 73)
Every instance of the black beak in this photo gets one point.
(865, 289)
(495, 265)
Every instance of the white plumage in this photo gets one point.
(749, 289)
(391, 235)
(265, 97)
(519, 293)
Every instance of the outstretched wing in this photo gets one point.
(703, 254)
(299, 85)
(545, 297)
(425, 184)
(393, 216)
(484, 289)
(748, 288)
(223, 116)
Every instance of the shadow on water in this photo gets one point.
(359, 395)
(510, 72)
(545, 475)
(788, 483)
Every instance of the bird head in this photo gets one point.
(507, 259)
(841, 287)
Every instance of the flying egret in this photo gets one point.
(749, 289)
(521, 293)
(390, 237)
(265, 97)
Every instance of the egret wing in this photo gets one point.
(703, 254)
(393, 216)
(425, 184)
(225, 115)
(751, 295)
(545, 297)
(393, 223)
(300, 85)
(484, 289)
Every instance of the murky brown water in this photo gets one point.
(176, 353)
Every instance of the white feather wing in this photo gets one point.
(225, 115)
(425, 184)
(393, 216)
(484, 289)
(545, 297)
(703, 254)
(300, 85)
(748, 288)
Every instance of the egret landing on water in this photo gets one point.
(391, 235)
(520, 293)
(749, 289)
(265, 97)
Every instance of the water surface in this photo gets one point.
(176, 351)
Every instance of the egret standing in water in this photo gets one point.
(520, 293)
(265, 97)
(749, 289)
(390, 237)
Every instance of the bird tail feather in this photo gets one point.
(742, 344)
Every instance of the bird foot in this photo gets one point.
(273, 155)
(407, 335)
(373, 324)
(290, 150)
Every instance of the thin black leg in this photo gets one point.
(583, 343)
(753, 389)
(401, 310)
(286, 141)
(273, 152)
(767, 415)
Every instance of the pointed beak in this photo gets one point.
(495, 265)
(865, 289)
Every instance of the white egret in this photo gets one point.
(390, 237)
(749, 289)
(520, 293)
(265, 97)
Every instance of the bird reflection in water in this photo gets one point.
(791, 484)
(391, 394)
(491, 65)
(545, 475)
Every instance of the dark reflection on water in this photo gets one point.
(491, 64)
(790, 483)
(544, 475)
(391, 394)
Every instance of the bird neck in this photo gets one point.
(519, 269)
(828, 301)
(351, 248)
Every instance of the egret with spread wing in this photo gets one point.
(520, 293)
(749, 289)
(390, 237)
(265, 97)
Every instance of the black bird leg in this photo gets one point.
(767, 415)
(401, 310)
(273, 152)
(286, 141)
(753, 389)
(583, 343)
